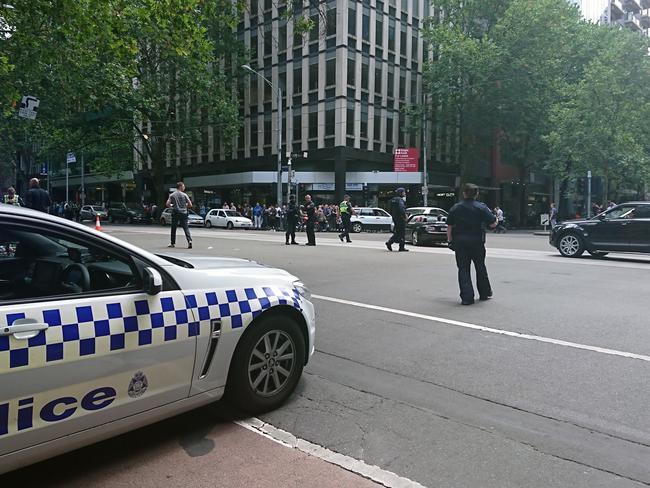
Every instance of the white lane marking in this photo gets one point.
(466, 325)
(492, 252)
(374, 473)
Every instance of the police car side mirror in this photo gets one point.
(152, 281)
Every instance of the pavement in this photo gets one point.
(545, 385)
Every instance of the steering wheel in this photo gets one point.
(75, 278)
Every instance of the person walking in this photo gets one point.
(179, 202)
(37, 198)
(310, 210)
(553, 215)
(466, 224)
(398, 212)
(11, 198)
(292, 214)
(500, 228)
(345, 214)
(258, 212)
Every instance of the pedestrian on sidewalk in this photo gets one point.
(12, 198)
(292, 215)
(553, 215)
(179, 202)
(466, 224)
(398, 212)
(500, 228)
(37, 198)
(345, 214)
(258, 212)
(310, 210)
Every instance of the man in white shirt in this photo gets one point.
(179, 202)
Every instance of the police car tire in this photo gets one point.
(357, 227)
(238, 389)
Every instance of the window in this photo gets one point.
(377, 125)
(402, 85)
(330, 121)
(379, 32)
(414, 48)
(352, 22)
(405, 5)
(364, 121)
(389, 128)
(350, 121)
(297, 78)
(365, 25)
(39, 263)
(330, 28)
(297, 126)
(330, 72)
(313, 76)
(254, 94)
(268, 40)
(351, 71)
(282, 38)
(414, 89)
(378, 86)
(391, 34)
(315, 31)
(402, 40)
(313, 124)
(391, 82)
(364, 74)
(267, 130)
(254, 132)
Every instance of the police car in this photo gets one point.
(99, 337)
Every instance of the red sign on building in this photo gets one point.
(406, 160)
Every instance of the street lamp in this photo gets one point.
(278, 91)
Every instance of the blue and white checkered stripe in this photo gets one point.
(76, 332)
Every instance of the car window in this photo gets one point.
(619, 212)
(232, 213)
(97, 208)
(380, 213)
(47, 264)
(366, 212)
(640, 212)
(221, 214)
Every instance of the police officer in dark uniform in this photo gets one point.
(310, 210)
(293, 212)
(345, 213)
(398, 212)
(466, 225)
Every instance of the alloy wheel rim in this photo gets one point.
(271, 363)
(415, 238)
(569, 245)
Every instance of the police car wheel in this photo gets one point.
(230, 226)
(571, 246)
(357, 227)
(267, 365)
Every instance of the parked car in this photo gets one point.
(99, 337)
(624, 228)
(127, 212)
(435, 211)
(192, 218)
(91, 212)
(229, 219)
(370, 218)
(426, 229)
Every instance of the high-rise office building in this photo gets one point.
(631, 14)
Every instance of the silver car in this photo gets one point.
(192, 218)
(91, 212)
(99, 337)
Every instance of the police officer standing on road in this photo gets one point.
(310, 210)
(466, 224)
(345, 213)
(11, 198)
(398, 212)
(179, 202)
(292, 215)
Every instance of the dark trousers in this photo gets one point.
(311, 235)
(345, 219)
(399, 233)
(465, 255)
(179, 219)
(291, 231)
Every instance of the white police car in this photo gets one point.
(98, 337)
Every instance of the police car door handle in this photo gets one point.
(23, 329)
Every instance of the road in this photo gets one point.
(545, 385)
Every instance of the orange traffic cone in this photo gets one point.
(98, 224)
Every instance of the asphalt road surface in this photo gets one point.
(545, 385)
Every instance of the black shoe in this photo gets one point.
(388, 246)
(294, 243)
(171, 245)
(310, 244)
(348, 242)
(403, 250)
(341, 237)
(189, 245)
(288, 243)
(485, 297)
(467, 302)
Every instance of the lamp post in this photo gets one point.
(278, 92)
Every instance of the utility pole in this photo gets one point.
(425, 178)
(83, 186)
(288, 176)
(588, 194)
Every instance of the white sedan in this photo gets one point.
(370, 218)
(99, 337)
(192, 218)
(228, 219)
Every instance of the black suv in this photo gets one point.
(128, 213)
(623, 228)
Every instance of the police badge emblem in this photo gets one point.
(138, 385)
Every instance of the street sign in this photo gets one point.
(28, 107)
(70, 158)
(425, 190)
(285, 168)
(544, 219)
